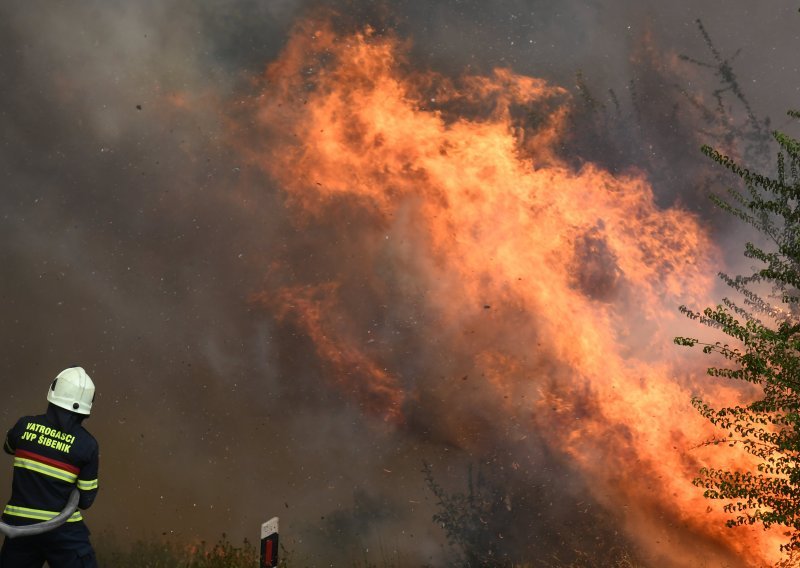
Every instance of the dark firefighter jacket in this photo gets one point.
(53, 454)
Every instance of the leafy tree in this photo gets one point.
(512, 517)
(765, 327)
(465, 517)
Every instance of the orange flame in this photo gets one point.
(560, 287)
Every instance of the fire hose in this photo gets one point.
(12, 531)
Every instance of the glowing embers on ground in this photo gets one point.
(449, 239)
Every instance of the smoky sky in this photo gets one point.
(133, 238)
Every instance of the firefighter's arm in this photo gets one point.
(87, 481)
(7, 446)
(10, 445)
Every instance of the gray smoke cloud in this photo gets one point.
(132, 240)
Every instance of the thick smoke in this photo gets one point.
(135, 239)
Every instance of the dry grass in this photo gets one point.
(163, 554)
(159, 553)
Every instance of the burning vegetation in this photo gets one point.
(463, 281)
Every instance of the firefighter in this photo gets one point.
(53, 454)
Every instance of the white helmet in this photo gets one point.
(73, 390)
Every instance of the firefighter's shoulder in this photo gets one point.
(22, 424)
(86, 440)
